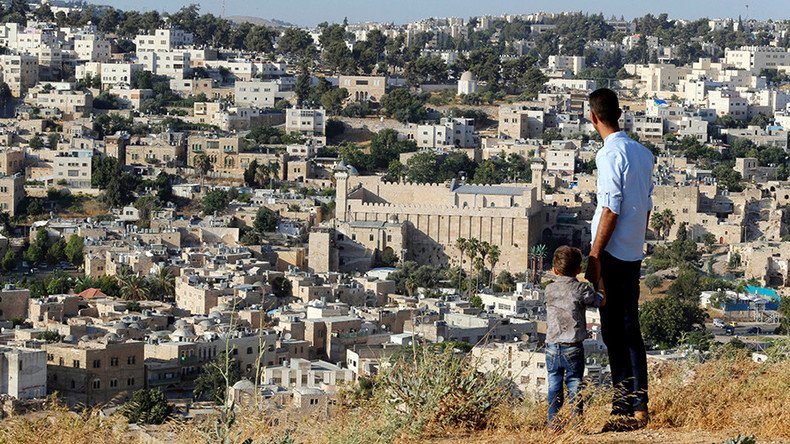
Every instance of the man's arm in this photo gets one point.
(605, 230)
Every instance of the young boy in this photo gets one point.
(566, 302)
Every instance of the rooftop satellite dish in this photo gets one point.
(440, 339)
(287, 336)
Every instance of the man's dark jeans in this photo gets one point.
(564, 363)
(622, 335)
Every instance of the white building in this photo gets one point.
(73, 167)
(757, 58)
(23, 372)
(256, 93)
(467, 84)
(308, 122)
(449, 132)
(574, 64)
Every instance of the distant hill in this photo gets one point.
(272, 23)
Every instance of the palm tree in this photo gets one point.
(164, 282)
(461, 245)
(479, 267)
(541, 256)
(132, 286)
(202, 165)
(493, 258)
(657, 223)
(668, 220)
(472, 245)
(410, 284)
(483, 251)
(262, 174)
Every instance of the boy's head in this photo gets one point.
(567, 261)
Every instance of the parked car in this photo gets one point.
(755, 331)
(718, 323)
(729, 330)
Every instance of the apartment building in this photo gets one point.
(307, 122)
(12, 161)
(519, 121)
(92, 372)
(12, 193)
(91, 47)
(757, 58)
(73, 167)
(111, 74)
(256, 93)
(573, 64)
(19, 71)
(449, 132)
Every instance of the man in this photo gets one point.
(625, 185)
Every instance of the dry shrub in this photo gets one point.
(57, 425)
(725, 395)
(439, 392)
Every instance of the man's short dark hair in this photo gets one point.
(604, 103)
(567, 260)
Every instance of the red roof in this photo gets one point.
(92, 293)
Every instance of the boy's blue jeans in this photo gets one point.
(565, 363)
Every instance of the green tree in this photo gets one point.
(281, 287)
(215, 377)
(665, 320)
(265, 221)
(147, 407)
(533, 81)
(404, 106)
(36, 252)
(215, 201)
(56, 252)
(9, 260)
(295, 41)
(653, 281)
(422, 167)
(686, 287)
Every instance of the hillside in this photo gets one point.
(272, 23)
(441, 401)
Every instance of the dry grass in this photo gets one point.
(59, 426)
(689, 403)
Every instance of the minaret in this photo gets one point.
(341, 195)
(537, 176)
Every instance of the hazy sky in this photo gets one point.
(311, 12)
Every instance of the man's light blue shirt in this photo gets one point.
(625, 186)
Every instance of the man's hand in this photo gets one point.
(593, 272)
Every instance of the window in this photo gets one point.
(75, 363)
(97, 363)
(113, 383)
(114, 362)
(249, 350)
(96, 384)
(131, 360)
(130, 382)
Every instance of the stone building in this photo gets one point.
(364, 88)
(23, 372)
(12, 193)
(94, 372)
(436, 215)
(13, 303)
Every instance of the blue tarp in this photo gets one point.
(762, 291)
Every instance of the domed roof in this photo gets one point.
(468, 76)
(111, 337)
(69, 338)
(244, 384)
(352, 171)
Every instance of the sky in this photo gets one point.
(312, 12)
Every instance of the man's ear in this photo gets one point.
(619, 113)
(593, 118)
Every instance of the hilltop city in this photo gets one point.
(203, 215)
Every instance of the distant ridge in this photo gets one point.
(272, 23)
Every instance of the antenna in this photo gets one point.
(222, 14)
